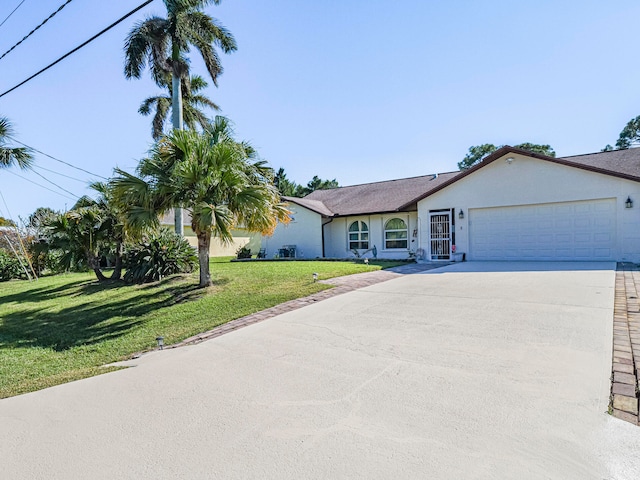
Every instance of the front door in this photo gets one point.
(440, 236)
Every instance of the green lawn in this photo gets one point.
(64, 327)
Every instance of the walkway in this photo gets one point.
(626, 344)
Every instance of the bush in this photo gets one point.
(10, 267)
(243, 252)
(163, 253)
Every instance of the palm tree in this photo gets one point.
(192, 104)
(217, 179)
(161, 43)
(91, 229)
(10, 156)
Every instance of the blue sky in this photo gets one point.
(358, 90)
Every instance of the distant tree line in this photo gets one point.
(290, 188)
(629, 136)
(477, 153)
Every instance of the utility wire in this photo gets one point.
(58, 173)
(120, 20)
(41, 186)
(56, 159)
(35, 29)
(12, 12)
(54, 184)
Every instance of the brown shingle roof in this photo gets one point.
(313, 205)
(621, 162)
(378, 197)
(403, 194)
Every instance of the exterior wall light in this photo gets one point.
(510, 160)
(160, 341)
(461, 215)
(628, 203)
(315, 277)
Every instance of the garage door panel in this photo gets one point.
(557, 231)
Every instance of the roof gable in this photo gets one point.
(615, 163)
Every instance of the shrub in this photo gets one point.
(161, 254)
(243, 252)
(10, 267)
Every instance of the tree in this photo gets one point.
(316, 183)
(214, 177)
(39, 219)
(10, 156)
(89, 231)
(192, 104)
(629, 136)
(478, 153)
(161, 43)
(285, 186)
(289, 188)
(5, 222)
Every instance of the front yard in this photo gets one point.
(65, 327)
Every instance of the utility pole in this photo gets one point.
(176, 117)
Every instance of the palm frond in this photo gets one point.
(10, 156)
(146, 43)
(21, 157)
(163, 105)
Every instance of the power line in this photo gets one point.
(41, 186)
(56, 159)
(58, 173)
(12, 12)
(54, 184)
(35, 29)
(120, 20)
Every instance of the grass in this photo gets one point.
(65, 327)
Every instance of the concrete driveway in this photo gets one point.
(476, 370)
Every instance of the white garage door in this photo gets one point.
(550, 231)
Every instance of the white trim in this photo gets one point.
(384, 221)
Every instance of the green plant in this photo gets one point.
(217, 179)
(10, 267)
(161, 254)
(243, 252)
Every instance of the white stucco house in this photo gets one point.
(514, 205)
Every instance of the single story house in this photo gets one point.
(514, 205)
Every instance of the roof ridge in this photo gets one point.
(598, 153)
(434, 175)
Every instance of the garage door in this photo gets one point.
(550, 231)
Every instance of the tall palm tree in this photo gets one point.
(217, 179)
(192, 104)
(10, 156)
(161, 43)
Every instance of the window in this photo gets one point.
(358, 235)
(395, 234)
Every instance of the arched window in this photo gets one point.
(396, 234)
(358, 235)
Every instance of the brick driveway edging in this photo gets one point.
(626, 344)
